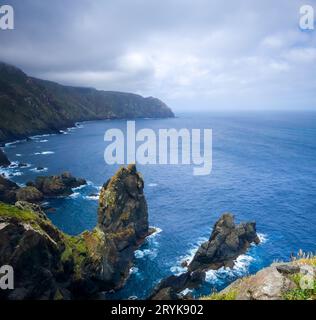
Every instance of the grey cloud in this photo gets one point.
(192, 54)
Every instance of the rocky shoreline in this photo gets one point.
(50, 264)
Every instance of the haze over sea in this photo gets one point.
(264, 169)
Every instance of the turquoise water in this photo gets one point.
(264, 169)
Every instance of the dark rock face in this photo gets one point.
(4, 161)
(33, 247)
(171, 287)
(123, 219)
(226, 243)
(54, 186)
(8, 190)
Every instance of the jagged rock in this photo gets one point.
(123, 223)
(30, 194)
(4, 161)
(226, 243)
(171, 287)
(53, 186)
(8, 190)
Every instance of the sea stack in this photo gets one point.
(226, 243)
(123, 220)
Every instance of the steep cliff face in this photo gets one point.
(32, 106)
(49, 264)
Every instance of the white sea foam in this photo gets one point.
(133, 270)
(13, 143)
(75, 195)
(80, 187)
(262, 237)
(92, 197)
(44, 140)
(44, 153)
(142, 253)
(152, 184)
(18, 155)
(241, 267)
(38, 170)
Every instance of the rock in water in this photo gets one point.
(123, 220)
(59, 186)
(4, 161)
(226, 243)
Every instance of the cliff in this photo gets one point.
(31, 106)
(49, 264)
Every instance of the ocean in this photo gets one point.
(264, 170)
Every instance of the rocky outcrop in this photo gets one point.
(32, 106)
(29, 194)
(4, 161)
(226, 243)
(280, 281)
(123, 223)
(8, 190)
(56, 186)
(49, 264)
(171, 288)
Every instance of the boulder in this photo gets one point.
(4, 161)
(226, 243)
(29, 194)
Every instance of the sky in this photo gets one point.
(193, 54)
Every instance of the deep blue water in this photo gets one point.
(264, 169)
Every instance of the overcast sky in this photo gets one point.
(193, 54)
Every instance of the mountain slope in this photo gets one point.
(31, 106)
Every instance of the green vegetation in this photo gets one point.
(299, 293)
(8, 211)
(230, 295)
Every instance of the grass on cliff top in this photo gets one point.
(9, 211)
(231, 295)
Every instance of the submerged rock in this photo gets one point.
(226, 243)
(4, 161)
